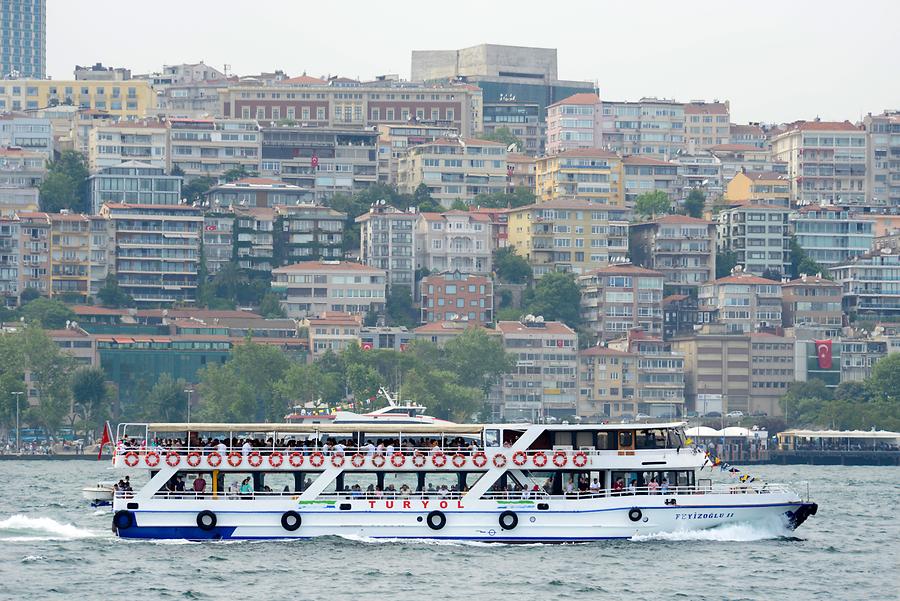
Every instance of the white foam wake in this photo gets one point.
(21, 528)
(741, 532)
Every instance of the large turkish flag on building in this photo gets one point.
(823, 352)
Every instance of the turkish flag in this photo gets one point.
(559, 343)
(105, 439)
(314, 161)
(823, 352)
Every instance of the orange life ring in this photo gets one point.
(276, 459)
(539, 459)
(254, 459)
(151, 459)
(419, 460)
(560, 458)
(317, 459)
(234, 459)
(519, 457)
(398, 459)
(131, 459)
(193, 459)
(295, 459)
(358, 460)
(173, 459)
(479, 459)
(459, 460)
(337, 460)
(499, 460)
(438, 459)
(378, 460)
(579, 459)
(213, 459)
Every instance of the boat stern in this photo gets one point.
(799, 515)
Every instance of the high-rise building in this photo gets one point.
(869, 284)
(758, 236)
(589, 174)
(619, 298)
(387, 241)
(133, 182)
(574, 122)
(883, 158)
(124, 99)
(112, 144)
(456, 296)
(743, 302)
(831, 235)
(812, 303)
(454, 241)
(23, 39)
(682, 248)
(315, 288)
(211, 147)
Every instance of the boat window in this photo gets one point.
(603, 440)
(584, 440)
(650, 439)
(492, 438)
(626, 439)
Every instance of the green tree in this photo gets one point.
(363, 381)
(50, 376)
(477, 358)
(885, 380)
(650, 204)
(91, 396)
(304, 382)
(270, 306)
(694, 203)
(399, 306)
(226, 397)
(28, 295)
(110, 295)
(459, 205)
(65, 186)
(176, 171)
(803, 402)
(166, 401)
(423, 201)
(556, 297)
(510, 267)
(443, 394)
(505, 136)
(852, 392)
(236, 173)
(47, 313)
(519, 197)
(725, 262)
(194, 190)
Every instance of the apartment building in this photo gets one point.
(589, 174)
(650, 127)
(316, 103)
(25, 131)
(681, 312)
(707, 124)
(133, 182)
(454, 169)
(682, 248)
(157, 251)
(332, 331)
(543, 383)
(391, 338)
(307, 233)
(701, 171)
(13, 200)
(826, 162)
(123, 99)
(70, 256)
(759, 187)
(24, 34)
(394, 141)
(387, 241)
(748, 135)
(574, 122)
(606, 383)
(498, 223)
(34, 252)
(218, 239)
(742, 302)
(619, 298)
(883, 158)
(521, 172)
(644, 174)
(568, 235)
(10, 242)
(454, 241)
(771, 372)
(442, 332)
(659, 382)
(212, 147)
(112, 144)
(313, 288)
(262, 192)
(832, 235)
(103, 252)
(758, 236)
(869, 284)
(736, 158)
(21, 168)
(322, 161)
(812, 303)
(456, 296)
(254, 239)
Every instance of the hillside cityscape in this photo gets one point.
(483, 238)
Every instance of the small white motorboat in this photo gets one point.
(100, 494)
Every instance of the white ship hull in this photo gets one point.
(554, 521)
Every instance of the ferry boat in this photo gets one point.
(510, 483)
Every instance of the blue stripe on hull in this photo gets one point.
(178, 532)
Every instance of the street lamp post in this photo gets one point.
(189, 392)
(17, 395)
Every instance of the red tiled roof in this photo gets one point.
(326, 266)
(18, 152)
(451, 327)
(93, 310)
(674, 298)
(550, 327)
(746, 278)
(705, 108)
(678, 219)
(746, 129)
(518, 157)
(303, 80)
(823, 126)
(584, 98)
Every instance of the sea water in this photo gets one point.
(53, 545)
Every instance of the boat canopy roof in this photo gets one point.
(387, 427)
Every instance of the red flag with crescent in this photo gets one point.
(823, 352)
(314, 162)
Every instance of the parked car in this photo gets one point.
(713, 414)
(735, 414)
(641, 417)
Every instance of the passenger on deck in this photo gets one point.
(199, 484)
(595, 486)
(246, 448)
(246, 488)
(339, 449)
(389, 449)
(632, 487)
(653, 486)
(369, 449)
(664, 487)
(618, 486)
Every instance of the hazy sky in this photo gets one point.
(775, 60)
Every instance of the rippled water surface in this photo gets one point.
(54, 546)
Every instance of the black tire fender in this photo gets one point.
(291, 520)
(123, 520)
(436, 520)
(508, 520)
(635, 514)
(206, 520)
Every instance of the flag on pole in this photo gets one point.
(104, 440)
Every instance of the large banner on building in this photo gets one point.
(823, 352)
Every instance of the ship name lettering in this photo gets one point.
(704, 516)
